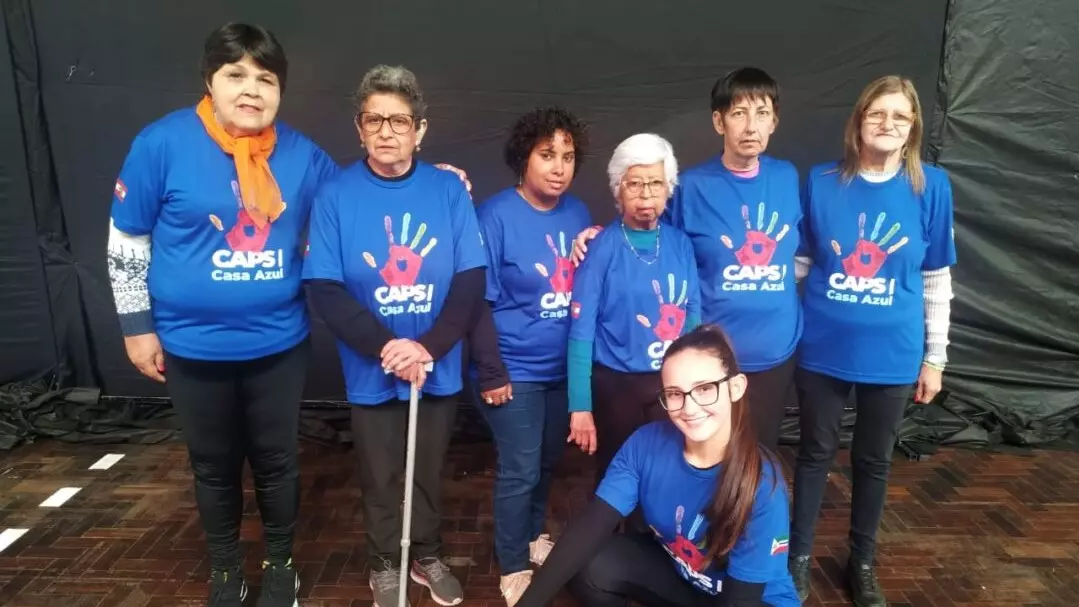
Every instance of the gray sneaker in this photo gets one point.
(433, 573)
(386, 585)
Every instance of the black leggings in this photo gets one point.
(236, 411)
(879, 410)
(633, 567)
(769, 392)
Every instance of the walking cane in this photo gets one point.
(410, 473)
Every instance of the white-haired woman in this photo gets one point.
(396, 267)
(635, 293)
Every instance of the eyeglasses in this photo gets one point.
(636, 186)
(898, 118)
(371, 123)
(705, 395)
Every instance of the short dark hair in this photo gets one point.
(746, 82)
(232, 41)
(539, 125)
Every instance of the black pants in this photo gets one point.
(879, 410)
(633, 567)
(236, 411)
(621, 403)
(381, 436)
(769, 393)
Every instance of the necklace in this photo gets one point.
(633, 249)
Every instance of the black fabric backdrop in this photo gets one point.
(995, 90)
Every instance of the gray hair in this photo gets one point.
(394, 80)
(642, 149)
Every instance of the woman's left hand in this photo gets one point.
(929, 383)
(460, 173)
(400, 354)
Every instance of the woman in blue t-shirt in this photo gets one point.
(742, 213)
(220, 194)
(519, 342)
(879, 232)
(634, 294)
(396, 266)
(715, 502)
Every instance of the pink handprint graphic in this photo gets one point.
(403, 266)
(759, 246)
(683, 547)
(244, 235)
(562, 278)
(869, 255)
(672, 315)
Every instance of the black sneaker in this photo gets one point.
(227, 588)
(864, 588)
(799, 567)
(280, 583)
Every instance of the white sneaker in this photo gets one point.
(539, 549)
(513, 586)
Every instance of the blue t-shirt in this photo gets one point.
(863, 301)
(631, 310)
(745, 232)
(220, 289)
(396, 245)
(650, 471)
(530, 280)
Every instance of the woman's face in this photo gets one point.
(246, 97)
(388, 129)
(643, 194)
(746, 126)
(886, 123)
(706, 411)
(551, 166)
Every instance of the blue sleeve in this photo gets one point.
(491, 229)
(579, 375)
(806, 242)
(467, 239)
(325, 167)
(693, 303)
(324, 256)
(621, 485)
(140, 188)
(673, 214)
(940, 228)
(761, 554)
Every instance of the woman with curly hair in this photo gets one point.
(519, 342)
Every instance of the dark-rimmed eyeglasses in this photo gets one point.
(705, 395)
(371, 122)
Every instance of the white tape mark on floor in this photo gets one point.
(107, 462)
(62, 495)
(9, 537)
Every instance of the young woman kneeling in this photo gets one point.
(716, 504)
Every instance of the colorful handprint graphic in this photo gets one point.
(759, 246)
(682, 547)
(403, 265)
(672, 314)
(869, 255)
(245, 235)
(562, 278)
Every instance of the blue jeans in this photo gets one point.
(530, 434)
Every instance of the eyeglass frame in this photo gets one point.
(885, 115)
(646, 185)
(383, 120)
(662, 396)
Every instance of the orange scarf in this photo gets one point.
(258, 188)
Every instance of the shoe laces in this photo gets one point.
(276, 577)
(224, 582)
(433, 568)
(388, 578)
(867, 578)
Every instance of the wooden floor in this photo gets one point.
(964, 528)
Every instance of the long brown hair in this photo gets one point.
(740, 478)
(852, 136)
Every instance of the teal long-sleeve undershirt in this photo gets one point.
(579, 354)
